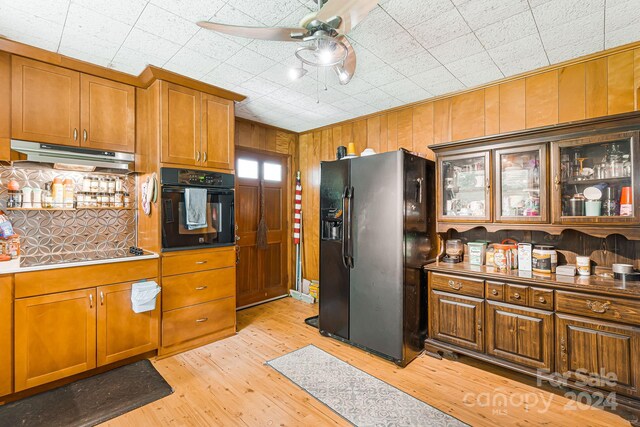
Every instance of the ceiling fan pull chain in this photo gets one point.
(317, 85)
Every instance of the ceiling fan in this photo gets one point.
(324, 29)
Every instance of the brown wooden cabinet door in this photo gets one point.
(597, 349)
(122, 333)
(217, 132)
(55, 337)
(180, 125)
(457, 320)
(6, 334)
(45, 103)
(520, 335)
(108, 111)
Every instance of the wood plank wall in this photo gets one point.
(598, 85)
(256, 136)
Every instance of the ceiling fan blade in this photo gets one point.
(351, 12)
(346, 71)
(261, 33)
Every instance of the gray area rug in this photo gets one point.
(355, 395)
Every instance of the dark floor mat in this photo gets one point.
(312, 321)
(89, 401)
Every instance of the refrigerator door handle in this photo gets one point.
(345, 199)
(349, 220)
(419, 190)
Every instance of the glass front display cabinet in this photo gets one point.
(594, 179)
(521, 184)
(465, 187)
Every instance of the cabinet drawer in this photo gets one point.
(198, 261)
(495, 291)
(600, 307)
(457, 285)
(185, 324)
(541, 298)
(194, 288)
(516, 294)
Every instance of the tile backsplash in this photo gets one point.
(51, 232)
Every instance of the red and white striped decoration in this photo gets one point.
(297, 211)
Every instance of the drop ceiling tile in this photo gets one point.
(377, 25)
(575, 38)
(191, 10)
(519, 56)
(440, 29)
(133, 61)
(85, 48)
(475, 70)
(349, 104)
(395, 47)
(28, 28)
(410, 13)
(214, 45)
(126, 11)
(305, 86)
(579, 48)
(251, 95)
(622, 14)
(414, 96)
(267, 12)
(167, 25)
(386, 103)
(85, 23)
(251, 61)
(513, 28)
(154, 47)
(382, 76)
(273, 49)
(372, 95)
(437, 81)
(332, 96)
(481, 13)
(293, 19)
(623, 35)
(356, 85)
(287, 95)
(260, 85)
(277, 74)
(559, 12)
(367, 62)
(417, 63)
(191, 63)
(54, 11)
(456, 49)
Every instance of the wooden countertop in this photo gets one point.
(594, 284)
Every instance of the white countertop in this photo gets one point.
(13, 266)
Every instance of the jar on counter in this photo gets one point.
(14, 199)
(111, 186)
(86, 184)
(119, 199)
(544, 259)
(118, 184)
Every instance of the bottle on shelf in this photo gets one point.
(626, 202)
(69, 190)
(57, 192)
(610, 205)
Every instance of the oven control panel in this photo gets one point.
(196, 178)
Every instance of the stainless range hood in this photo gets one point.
(71, 158)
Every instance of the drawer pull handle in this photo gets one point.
(455, 285)
(563, 349)
(542, 300)
(201, 288)
(201, 262)
(598, 307)
(516, 295)
(204, 319)
(90, 300)
(494, 292)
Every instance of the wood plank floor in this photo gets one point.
(227, 383)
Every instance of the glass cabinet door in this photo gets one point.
(521, 184)
(594, 179)
(464, 182)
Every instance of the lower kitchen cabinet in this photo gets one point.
(601, 350)
(6, 335)
(457, 320)
(122, 333)
(55, 337)
(520, 335)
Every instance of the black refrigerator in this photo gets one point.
(377, 230)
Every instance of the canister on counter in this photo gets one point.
(489, 256)
(524, 256)
(583, 265)
(476, 252)
(545, 259)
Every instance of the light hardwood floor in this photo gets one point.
(227, 383)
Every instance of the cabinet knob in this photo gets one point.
(494, 292)
(542, 300)
(556, 181)
(516, 296)
(479, 327)
(90, 300)
(101, 298)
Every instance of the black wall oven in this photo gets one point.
(220, 223)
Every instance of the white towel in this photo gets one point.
(195, 207)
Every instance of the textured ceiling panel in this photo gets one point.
(407, 50)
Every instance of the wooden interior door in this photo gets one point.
(217, 132)
(121, 332)
(45, 103)
(55, 337)
(108, 113)
(261, 273)
(180, 125)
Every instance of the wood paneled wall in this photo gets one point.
(256, 136)
(598, 85)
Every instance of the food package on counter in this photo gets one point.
(6, 229)
(10, 248)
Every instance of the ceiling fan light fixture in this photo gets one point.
(343, 76)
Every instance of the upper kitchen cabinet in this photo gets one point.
(45, 103)
(594, 180)
(107, 114)
(58, 106)
(217, 132)
(465, 187)
(197, 128)
(521, 184)
(180, 125)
